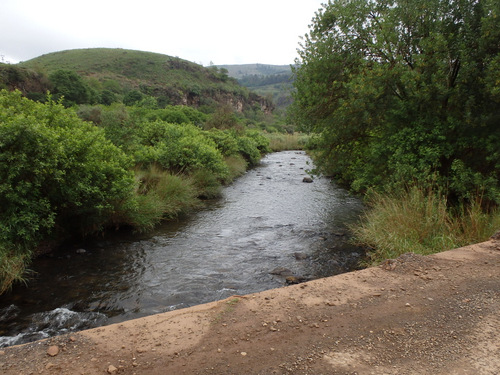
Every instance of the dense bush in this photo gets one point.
(225, 140)
(248, 149)
(174, 114)
(58, 174)
(261, 141)
(69, 86)
(178, 148)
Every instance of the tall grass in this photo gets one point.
(285, 141)
(420, 221)
(12, 267)
(159, 195)
(237, 166)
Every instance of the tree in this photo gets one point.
(223, 118)
(404, 90)
(132, 97)
(70, 86)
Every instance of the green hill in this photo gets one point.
(170, 79)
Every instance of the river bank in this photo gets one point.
(267, 220)
(414, 315)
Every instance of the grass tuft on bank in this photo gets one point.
(12, 267)
(284, 141)
(421, 221)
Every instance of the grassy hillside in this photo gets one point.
(128, 65)
(174, 80)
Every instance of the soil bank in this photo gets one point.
(437, 314)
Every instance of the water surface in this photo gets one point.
(268, 218)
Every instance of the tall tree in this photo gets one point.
(403, 90)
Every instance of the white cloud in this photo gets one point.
(222, 31)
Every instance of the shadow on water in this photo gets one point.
(268, 224)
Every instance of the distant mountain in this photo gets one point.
(171, 79)
(242, 70)
(271, 81)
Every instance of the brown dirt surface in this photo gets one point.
(437, 314)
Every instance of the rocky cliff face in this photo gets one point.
(25, 80)
(238, 102)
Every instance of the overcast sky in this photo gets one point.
(202, 31)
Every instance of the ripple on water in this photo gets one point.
(262, 220)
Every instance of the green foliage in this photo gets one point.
(261, 141)
(64, 172)
(223, 118)
(281, 141)
(132, 97)
(58, 174)
(70, 86)
(402, 92)
(225, 140)
(173, 114)
(160, 195)
(179, 148)
(420, 221)
(248, 149)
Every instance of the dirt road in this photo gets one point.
(415, 315)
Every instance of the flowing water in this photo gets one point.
(267, 225)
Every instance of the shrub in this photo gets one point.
(225, 141)
(57, 174)
(261, 141)
(178, 148)
(248, 149)
(70, 86)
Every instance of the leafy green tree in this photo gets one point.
(404, 90)
(108, 97)
(70, 86)
(132, 97)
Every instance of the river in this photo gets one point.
(267, 224)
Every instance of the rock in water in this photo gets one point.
(300, 256)
(290, 280)
(281, 271)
